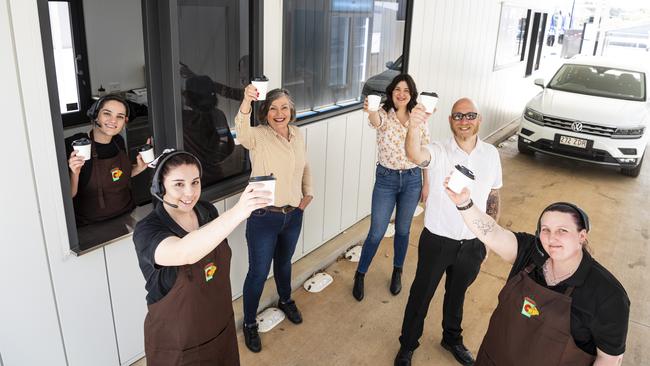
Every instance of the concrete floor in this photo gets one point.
(338, 330)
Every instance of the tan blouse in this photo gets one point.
(270, 153)
(391, 136)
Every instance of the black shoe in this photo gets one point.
(357, 290)
(291, 311)
(460, 352)
(403, 357)
(396, 281)
(252, 338)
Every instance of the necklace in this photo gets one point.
(549, 274)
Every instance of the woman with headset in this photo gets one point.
(559, 305)
(185, 259)
(101, 186)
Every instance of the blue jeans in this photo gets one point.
(392, 187)
(270, 236)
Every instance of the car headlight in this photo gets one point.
(628, 133)
(534, 116)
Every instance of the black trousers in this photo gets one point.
(461, 261)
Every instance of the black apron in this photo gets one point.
(108, 192)
(531, 326)
(194, 323)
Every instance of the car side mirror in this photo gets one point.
(540, 82)
(389, 64)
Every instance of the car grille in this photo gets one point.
(595, 155)
(587, 128)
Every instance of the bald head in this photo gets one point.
(465, 104)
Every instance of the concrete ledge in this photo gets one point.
(319, 259)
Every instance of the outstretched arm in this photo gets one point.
(501, 241)
(415, 152)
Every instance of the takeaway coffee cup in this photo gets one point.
(146, 151)
(373, 102)
(262, 85)
(269, 185)
(429, 100)
(82, 146)
(460, 178)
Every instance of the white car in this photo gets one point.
(594, 109)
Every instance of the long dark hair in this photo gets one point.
(413, 91)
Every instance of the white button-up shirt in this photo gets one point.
(441, 216)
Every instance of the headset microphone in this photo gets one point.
(165, 202)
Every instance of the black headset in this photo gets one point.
(93, 111)
(157, 187)
(581, 213)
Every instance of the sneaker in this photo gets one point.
(252, 338)
(291, 311)
(403, 357)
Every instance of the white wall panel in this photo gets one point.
(273, 42)
(239, 247)
(128, 298)
(353, 131)
(367, 167)
(334, 176)
(316, 137)
(455, 58)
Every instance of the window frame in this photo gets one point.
(157, 16)
(315, 116)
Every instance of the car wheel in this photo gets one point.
(523, 148)
(633, 172)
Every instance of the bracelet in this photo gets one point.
(465, 205)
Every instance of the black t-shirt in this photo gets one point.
(600, 307)
(104, 151)
(148, 234)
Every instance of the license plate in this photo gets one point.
(572, 141)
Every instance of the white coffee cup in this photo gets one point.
(373, 102)
(429, 101)
(262, 85)
(82, 147)
(461, 178)
(146, 151)
(269, 185)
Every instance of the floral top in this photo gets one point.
(391, 136)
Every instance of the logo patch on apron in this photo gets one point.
(116, 174)
(529, 308)
(209, 271)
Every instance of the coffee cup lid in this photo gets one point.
(261, 178)
(431, 94)
(468, 173)
(145, 147)
(81, 141)
(260, 78)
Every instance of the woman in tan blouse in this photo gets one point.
(278, 149)
(398, 182)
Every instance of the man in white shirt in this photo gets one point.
(446, 244)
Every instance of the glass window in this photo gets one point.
(511, 38)
(213, 41)
(600, 81)
(335, 51)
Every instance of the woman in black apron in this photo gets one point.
(101, 186)
(559, 306)
(185, 259)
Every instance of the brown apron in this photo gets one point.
(108, 192)
(194, 323)
(531, 326)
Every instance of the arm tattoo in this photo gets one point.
(424, 163)
(484, 227)
(493, 203)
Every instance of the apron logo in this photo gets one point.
(116, 174)
(529, 308)
(209, 271)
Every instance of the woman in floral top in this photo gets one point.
(398, 182)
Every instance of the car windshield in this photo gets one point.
(600, 81)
